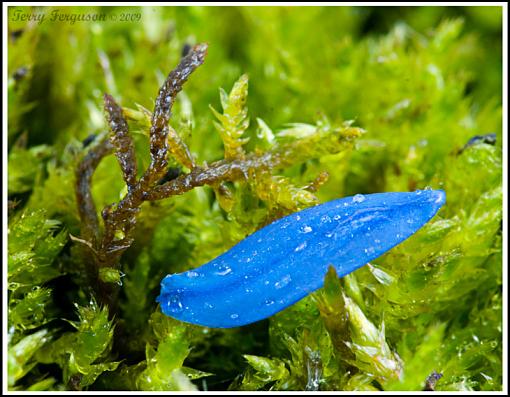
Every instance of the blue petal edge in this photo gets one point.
(283, 262)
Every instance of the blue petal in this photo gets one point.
(288, 259)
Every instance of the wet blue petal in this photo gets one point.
(288, 259)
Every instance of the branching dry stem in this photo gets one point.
(119, 219)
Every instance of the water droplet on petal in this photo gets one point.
(223, 270)
(192, 274)
(300, 247)
(234, 315)
(269, 302)
(369, 250)
(305, 229)
(325, 219)
(174, 304)
(283, 282)
(359, 198)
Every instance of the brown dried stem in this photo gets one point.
(120, 218)
(85, 202)
(121, 140)
(213, 174)
(234, 170)
(162, 113)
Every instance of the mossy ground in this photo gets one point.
(420, 81)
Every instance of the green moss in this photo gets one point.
(83, 355)
(343, 100)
